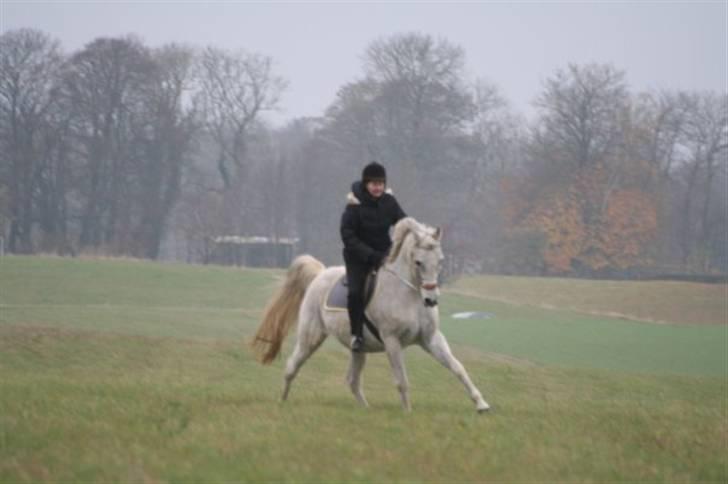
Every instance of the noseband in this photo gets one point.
(430, 303)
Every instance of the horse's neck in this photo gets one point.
(401, 267)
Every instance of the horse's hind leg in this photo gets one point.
(309, 338)
(353, 377)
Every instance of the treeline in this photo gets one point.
(123, 149)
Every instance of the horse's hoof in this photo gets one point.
(484, 409)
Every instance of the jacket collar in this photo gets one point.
(358, 195)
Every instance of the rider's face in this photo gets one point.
(375, 188)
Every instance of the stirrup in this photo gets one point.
(357, 344)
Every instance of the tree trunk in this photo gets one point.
(686, 236)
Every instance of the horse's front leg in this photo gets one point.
(354, 376)
(438, 347)
(396, 361)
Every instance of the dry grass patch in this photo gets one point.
(650, 301)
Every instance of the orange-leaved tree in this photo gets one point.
(593, 220)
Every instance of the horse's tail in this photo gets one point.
(282, 310)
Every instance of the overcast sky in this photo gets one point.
(317, 46)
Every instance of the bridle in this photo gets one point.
(429, 287)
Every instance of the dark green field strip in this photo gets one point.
(571, 339)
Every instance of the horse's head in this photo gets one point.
(427, 262)
(420, 246)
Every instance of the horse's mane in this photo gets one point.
(401, 230)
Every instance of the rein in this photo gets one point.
(405, 281)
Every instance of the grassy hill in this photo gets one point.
(120, 370)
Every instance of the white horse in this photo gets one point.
(403, 307)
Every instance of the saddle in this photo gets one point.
(336, 298)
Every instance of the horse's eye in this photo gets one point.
(418, 263)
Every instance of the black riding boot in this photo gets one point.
(355, 276)
(356, 319)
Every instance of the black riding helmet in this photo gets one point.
(373, 172)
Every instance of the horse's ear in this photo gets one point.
(417, 236)
(438, 234)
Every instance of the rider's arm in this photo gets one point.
(399, 213)
(349, 226)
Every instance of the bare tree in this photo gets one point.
(411, 111)
(425, 75)
(104, 84)
(499, 135)
(29, 62)
(55, 180)
(497, 151)
(659, 120)
(580, 111)
(706, 142)
(234, 88)
(662, 116)
(166, 132)
(422, 97)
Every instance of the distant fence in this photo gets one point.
(252, 251)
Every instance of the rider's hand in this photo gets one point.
(376, 259)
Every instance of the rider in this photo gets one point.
(369, 214)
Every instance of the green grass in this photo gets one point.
(129, 282)
(130, 371)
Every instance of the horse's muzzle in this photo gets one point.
(430, 303)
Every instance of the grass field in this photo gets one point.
(120, 370)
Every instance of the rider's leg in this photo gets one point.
(355, 276)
